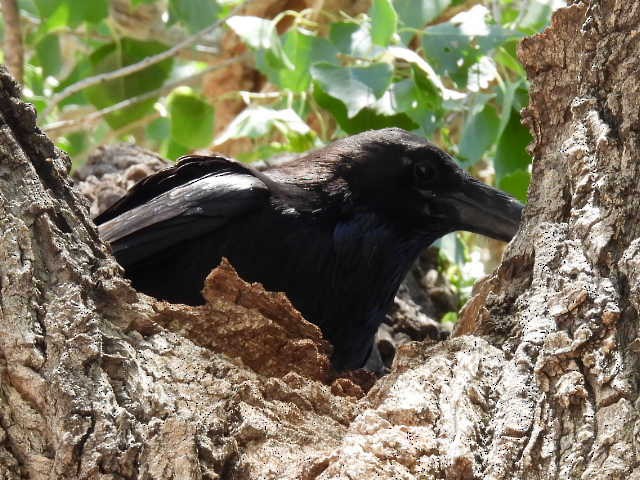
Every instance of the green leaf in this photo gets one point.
(536, 16)
(417, 13)
(422, 106)
(88, 11)
(511, 153)
(33, 79)
(479, 134)
(192, 118)
(516, 183)
(456, 45)
(356, 87)
(425, 77)
(194, 14)
(354, 39)
(46, 8)
(506, 95)
(261, 35)
(116, 55)
(70, 13)
(256, 32)
(174, 150)
(507, 57)
(55, 15)
(159, 129)
(49, 55)
(257, 121)
(74, 143)
(302, 50)
(384, 22)
(381, 114)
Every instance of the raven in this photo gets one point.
(336, 229)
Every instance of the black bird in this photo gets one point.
(336, 229)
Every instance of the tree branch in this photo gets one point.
(13, 47)
(135, 67)
(57, 129)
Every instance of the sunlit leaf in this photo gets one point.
(536, 16)
(456, 45)
(354, 39)
(257, 121)
(417, 13)
(173, 150)
(302, 50)
(261, 35)
(381, 114)
(256, 32)
(452, 247)
(425, 75)
(70, 13)
(384, 22)
(356, 87)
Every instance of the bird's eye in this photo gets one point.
(424, 174)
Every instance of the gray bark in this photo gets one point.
(98, 381)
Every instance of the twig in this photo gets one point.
(134, 67)
(130, 126)
(57, 129)
(13, 48)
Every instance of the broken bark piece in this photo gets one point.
(243, 320)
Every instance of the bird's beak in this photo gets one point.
(485, 210)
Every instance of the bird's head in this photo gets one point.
(419, 186)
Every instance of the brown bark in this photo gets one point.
(92, 385)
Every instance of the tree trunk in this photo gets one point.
(98, 381)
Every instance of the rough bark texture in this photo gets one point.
(94, 384)
(563, 306)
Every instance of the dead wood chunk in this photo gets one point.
(343, 387)
(354, 383)
(244, 321)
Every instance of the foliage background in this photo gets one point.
(259, 79)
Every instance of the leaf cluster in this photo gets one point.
(446, 69)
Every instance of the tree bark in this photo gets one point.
(98, 381)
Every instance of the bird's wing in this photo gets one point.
(187, 168)
(197, 195)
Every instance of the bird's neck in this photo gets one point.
(372, 259)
